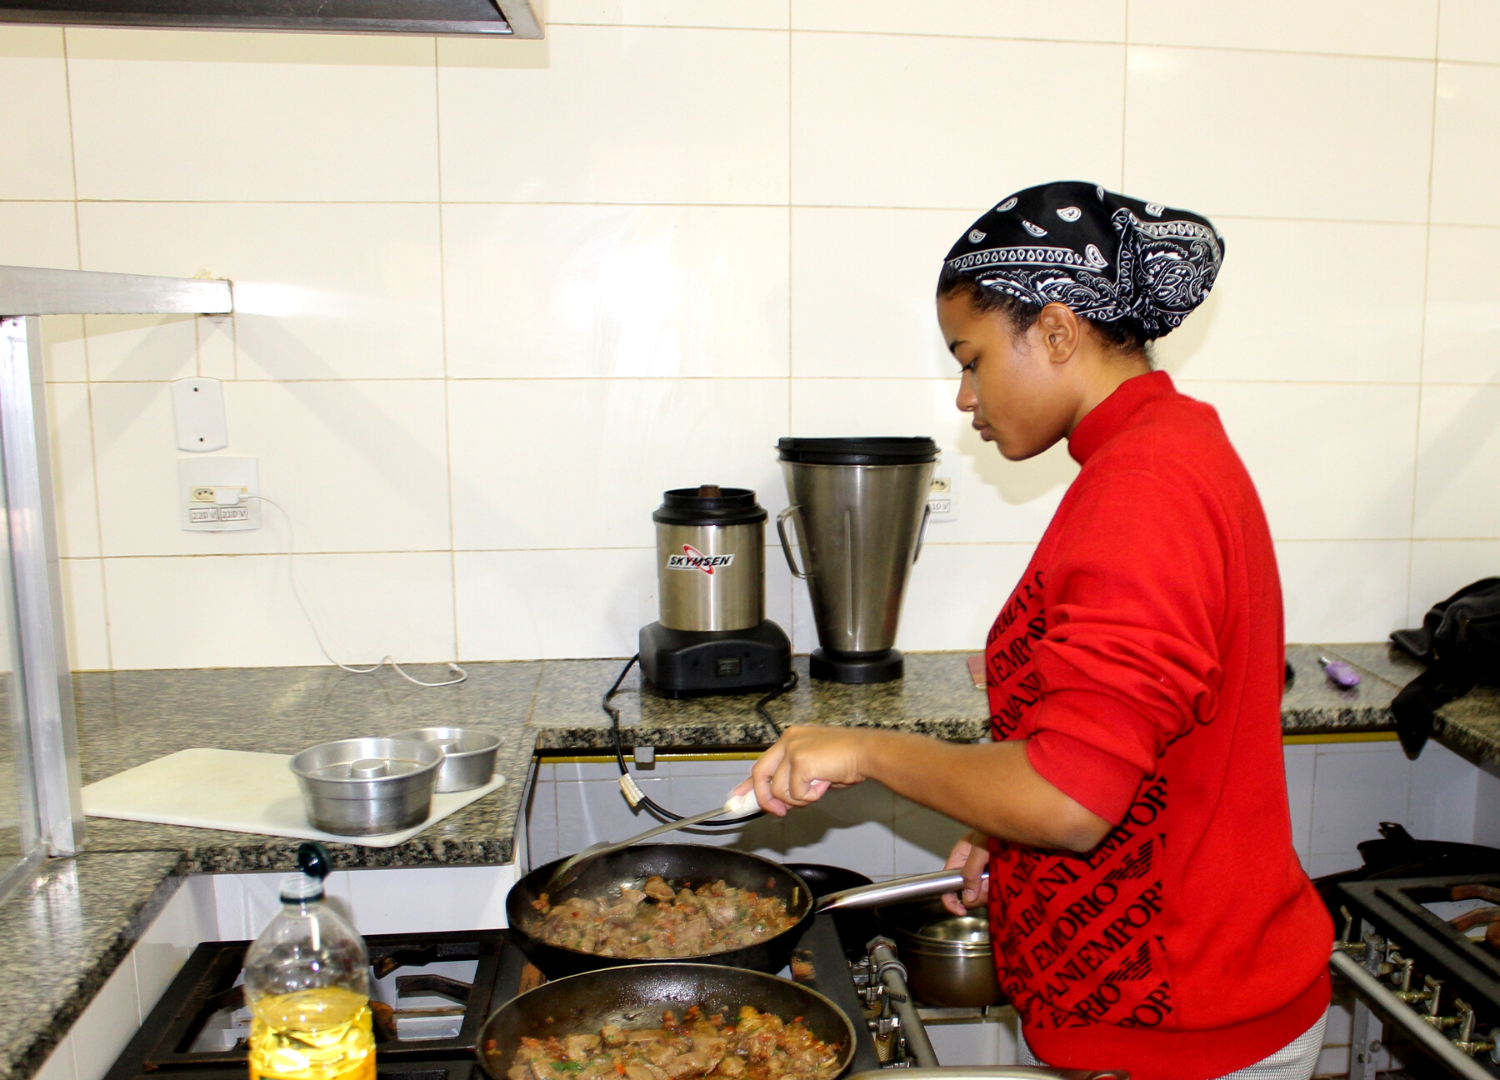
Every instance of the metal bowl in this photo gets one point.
(949, 962)
(468, 755)
(365, 787)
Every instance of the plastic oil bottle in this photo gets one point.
(307, 983)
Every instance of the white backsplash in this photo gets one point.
(495, 296)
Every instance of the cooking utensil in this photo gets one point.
(364, 787)
(735, 806)
(468, 755)
(635, 996)
(691, 865)
(1340, 673)
(949, 962)
(859, 510)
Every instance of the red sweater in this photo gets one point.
(1142, 656)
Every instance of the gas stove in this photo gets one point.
(1414, 950)
(432, 994)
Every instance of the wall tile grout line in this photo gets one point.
(437, 118)
(1422, 341)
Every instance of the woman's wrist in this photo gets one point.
(872, 752)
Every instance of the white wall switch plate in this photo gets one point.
(199, 407)
(212, 493)
(942, 497)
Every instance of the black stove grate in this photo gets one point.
(1395, 908)
(205, 992)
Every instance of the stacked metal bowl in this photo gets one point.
(371, 786)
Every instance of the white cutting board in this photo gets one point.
(238, 792)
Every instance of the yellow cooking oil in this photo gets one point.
(321, 1034)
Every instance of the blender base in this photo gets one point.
(687, 663)
(887, 665)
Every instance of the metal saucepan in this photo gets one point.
(948, 958)
(692, 865)
(635, 996)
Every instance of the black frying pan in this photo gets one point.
(692, 865)
(686, 866)
(635, 996)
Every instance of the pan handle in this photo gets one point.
(895, 891)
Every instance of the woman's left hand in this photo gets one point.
(804, 763)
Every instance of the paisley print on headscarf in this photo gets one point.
(1110, 257)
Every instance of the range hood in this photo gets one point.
(502, 18)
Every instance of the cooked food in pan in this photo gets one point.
(659, 920)
(753, 1046)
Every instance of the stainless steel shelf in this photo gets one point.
(30, 290)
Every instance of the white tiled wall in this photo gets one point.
(494, 297)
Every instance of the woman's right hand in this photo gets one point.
(971, 855)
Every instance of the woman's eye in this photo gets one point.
(967, 369)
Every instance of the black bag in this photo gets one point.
(1459, 641)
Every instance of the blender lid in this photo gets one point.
(874, 450)
(709, 504)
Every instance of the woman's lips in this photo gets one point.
(984, 432)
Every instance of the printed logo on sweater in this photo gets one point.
(1075, 935)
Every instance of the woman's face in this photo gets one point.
(1020, 399)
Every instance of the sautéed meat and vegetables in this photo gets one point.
(753, 1046)
(659, 920)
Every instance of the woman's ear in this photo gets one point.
(1061, 331)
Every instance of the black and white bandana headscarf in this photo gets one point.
(1107, 256)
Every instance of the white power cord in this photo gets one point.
(231, 496)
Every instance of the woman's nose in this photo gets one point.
(967, 401)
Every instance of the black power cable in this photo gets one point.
(650, 804)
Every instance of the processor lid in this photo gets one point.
(874, 450)
(709, 504)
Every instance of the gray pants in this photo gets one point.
(1294, 1061)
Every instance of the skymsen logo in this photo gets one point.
(693, 559)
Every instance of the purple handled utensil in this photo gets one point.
(1340, 673)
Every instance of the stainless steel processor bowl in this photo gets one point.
(468, 755)
(365, 787)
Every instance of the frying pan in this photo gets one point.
(689, 866)
(685, 865)
(634, 996)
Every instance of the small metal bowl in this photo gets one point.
(365, 787)
(468, 755)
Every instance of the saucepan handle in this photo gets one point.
(895, 891)
(786, 545)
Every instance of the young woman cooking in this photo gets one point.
(1146, 907)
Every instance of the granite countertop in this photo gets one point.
(127, 718)
(65, 932)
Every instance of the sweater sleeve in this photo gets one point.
(1130, 659)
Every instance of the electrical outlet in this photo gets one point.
(942, 498)
(213, 493)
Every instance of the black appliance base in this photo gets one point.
(876, 667)
(688, 663)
